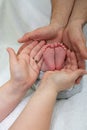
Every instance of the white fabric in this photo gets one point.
(16, 18)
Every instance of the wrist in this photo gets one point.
(77, 21)
(11, 91)
(76, 24)
(54, 24)
(19, 87)
(60, 18)
(49, 86)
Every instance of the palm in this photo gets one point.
(29, 67)
(65, 78)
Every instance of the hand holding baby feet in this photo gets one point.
(53, 55)
(66, 77)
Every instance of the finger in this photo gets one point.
(36, 66)
(33, 65)
(12, 55)
(29, 47)
(37, 48)
(66, 40)
(74, 64)
(24, 38)
(23, 46)
(82, 50)
(31, 35)
(78, 80)
(80, 43)
(81, 65)
(38, 34)
(40, 53)
(68, 60)
(78, 73)
(81, 61)
(40, 63)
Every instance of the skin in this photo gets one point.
(61, 11)
(67, 21)
(24, 72)
(73, 36)
(38, 112)
(77, 20)
(53, 56)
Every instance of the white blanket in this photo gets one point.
(16, 18)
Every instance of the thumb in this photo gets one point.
(78, 73)
(12, 55)
(35, 35)
(42, 33)
(83, 50)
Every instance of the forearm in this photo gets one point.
(38, 112)
(61, 10)
(79, 11)
(10, 95)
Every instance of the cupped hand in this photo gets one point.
(51, 33)
(24, 68)
(74, 39)
(65, 78)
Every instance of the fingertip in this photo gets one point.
(78, 80)
(19, 40)
(84, 55)
(9, 49)
(81, 72)
(11, 53)
(24, 38)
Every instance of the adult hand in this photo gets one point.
(74, 39)
(51, 33)
(65, 78)
(24, 68)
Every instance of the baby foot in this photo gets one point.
(60, 54)
(49, 58)
(54, 56)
